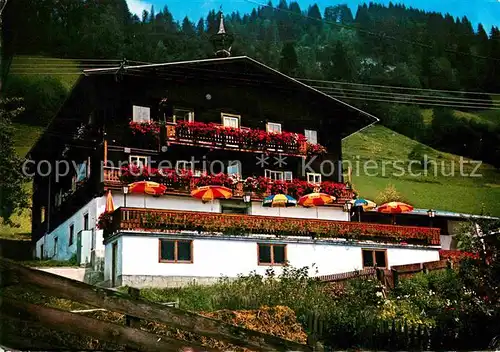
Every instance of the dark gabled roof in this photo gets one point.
(243, 68)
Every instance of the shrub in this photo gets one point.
(389, 194)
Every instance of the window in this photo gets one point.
(43, 214)
(176, 251)
(183, 165)
(312, 136)
(271, 254)
(55, 246)
(86, 221)
(273, 175)
(71, 234)
(41, 251)
(374, 258)
(234, 168)
(138, 160)
(186, 115)
(288, 175)
(313, 178)
(274, 127)
(141, 114)
(229, 120)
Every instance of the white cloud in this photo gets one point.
(137, 6)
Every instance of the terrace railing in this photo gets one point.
(169, 221)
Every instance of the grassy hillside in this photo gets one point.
(485, 116)
(452, 193)
(26, 135)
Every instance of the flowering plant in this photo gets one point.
(209, 222)
(457, 255)
(315, 149)
(247, 138)
(104, 221)
(151, 128)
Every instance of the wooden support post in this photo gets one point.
(395, 277)
(131, 320)
(105, 152)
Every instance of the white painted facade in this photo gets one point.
(93, 241)
(214, 257)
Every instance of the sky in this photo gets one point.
(486, 12)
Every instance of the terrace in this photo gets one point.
(168, 221)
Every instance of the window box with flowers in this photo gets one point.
(225, 224)
(245, 138)
(145, 134)
(105, 223)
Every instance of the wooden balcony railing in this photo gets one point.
(136, 219)
(112, 180)
(216, 137)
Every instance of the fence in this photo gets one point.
(134, 308)
(389, 278)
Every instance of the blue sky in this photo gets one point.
(484, 11)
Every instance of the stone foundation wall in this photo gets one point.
(141, 281)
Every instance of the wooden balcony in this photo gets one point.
(112, 180)
(168, 221)
(216, 138)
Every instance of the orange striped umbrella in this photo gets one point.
(147, 187)
(316, 199)
(209, 193)
(110, 205)
(395, 208)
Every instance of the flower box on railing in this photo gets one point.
(216, 135)
(135, 219)
(184, 181)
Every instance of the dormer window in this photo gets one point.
(273, 127)
(229, 120)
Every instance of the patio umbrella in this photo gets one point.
(394, 208)
(209, 193)
(147, 187)
(315, 200)
(279, 201)
(110, 205)
(364, 204)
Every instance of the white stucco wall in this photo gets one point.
(216, 257)
(325, 213)
(168, 202)
(108, 257)
(64, 251)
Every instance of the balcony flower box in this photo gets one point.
(244, 138)
(184, 180)
(166, 220)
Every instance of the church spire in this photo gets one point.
(222, 40)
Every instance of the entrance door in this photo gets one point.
(114, 256)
